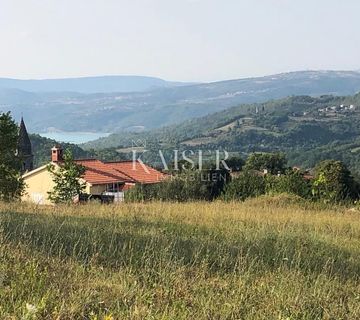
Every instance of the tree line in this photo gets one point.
(262, 173)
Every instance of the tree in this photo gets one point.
(273, 162)
(188, 185)
(333, 182)
(11, 183)
(292, 182)
(235, 163)
(246, 185)
(67, 178)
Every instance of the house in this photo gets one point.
(108, 180)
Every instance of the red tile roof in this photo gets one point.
(98, 172)
(138, 172)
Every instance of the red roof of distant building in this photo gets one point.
(138, 172)
(98, 172)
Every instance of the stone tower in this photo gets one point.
(24, 150)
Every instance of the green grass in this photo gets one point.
(262, 259)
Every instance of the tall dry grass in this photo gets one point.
(268, 258)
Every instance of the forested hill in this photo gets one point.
(308, 129)
(42, 151)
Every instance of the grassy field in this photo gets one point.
(267, 258)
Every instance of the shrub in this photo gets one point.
(292, 182)
(334, 183)
(189, 185)
(273, 162)
(246, 185)
(142, 192)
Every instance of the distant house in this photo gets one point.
(108, 180)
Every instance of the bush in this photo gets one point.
(251, 184)
(273, 162)
(292, 182)
(142, 192)
(333, 182)
(188, 185)
(247, 185)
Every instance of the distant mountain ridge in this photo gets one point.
(127, 111)
(88, 85)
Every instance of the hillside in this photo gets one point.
(308, 129)
(269, 258)
(137, 111)
(41, 148)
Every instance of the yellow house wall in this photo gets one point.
(37, 187)
(39, 184)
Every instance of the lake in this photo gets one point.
(74, 137)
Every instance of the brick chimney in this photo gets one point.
(56, 154)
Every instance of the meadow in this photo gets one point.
(266, 258)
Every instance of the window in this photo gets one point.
(113, 187)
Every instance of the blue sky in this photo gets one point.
(186, 40)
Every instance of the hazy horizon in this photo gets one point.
(174, 80)
(187, 40)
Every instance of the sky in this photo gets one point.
(179, 40)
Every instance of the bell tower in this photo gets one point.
(24, 150)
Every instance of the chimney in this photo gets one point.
(56, 154)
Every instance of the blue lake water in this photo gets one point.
(74, 137)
